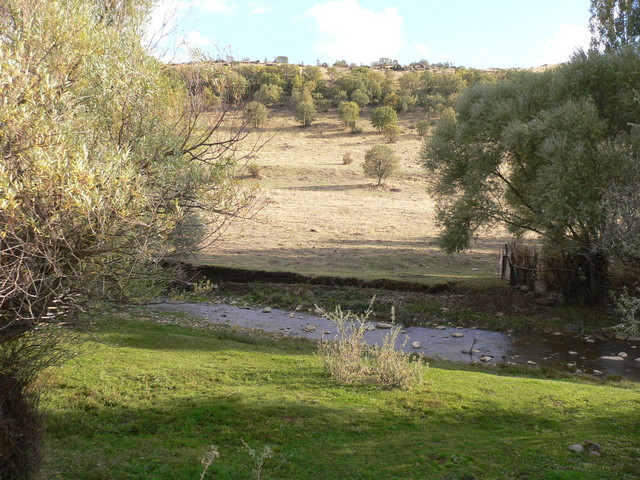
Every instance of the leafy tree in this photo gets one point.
(380, 162)
(383, 116)
(360, 98)
(349, 114)
(106, 160)
(539, 152)
(614, 23)
(269, 94)
(256, 114)
(306, 112)
(281, 59)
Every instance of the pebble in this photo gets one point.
(486, 358)
(623, 354)
(299, 308)
(572, 352)
(416, 344)
(310, 328)
(327, 332)
(576, 448)
(384, 325)
(557, 334)
(441, 327)
(266, 310)
(597, 372)
(457, 335)
(611, 357)
(638, 359)
(590, 340)
(292, 315)
(531, 362)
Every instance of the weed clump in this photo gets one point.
(351, 360)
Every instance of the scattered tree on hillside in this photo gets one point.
(614, 23)
(106, 162)
(306, 112)
(349, 114)
(256, 114)
(380, 162)
(540, 152)
(360, 98)
(383, 116)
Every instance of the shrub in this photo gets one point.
(346, 159)
(349, 358)
(256, 114)
(254, 171)
(383, 116)
(628, 308)
(306, 112)
(423, 127)
(392, 132)
(380, 162)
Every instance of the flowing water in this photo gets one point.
(573, 351)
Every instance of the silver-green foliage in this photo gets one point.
(538, 152)
(350, 359)
(628, 309)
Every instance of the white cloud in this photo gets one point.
(421, 48)
(258, 8)
(213, 6)
(195, 39)
(348, 31)
(566, 40)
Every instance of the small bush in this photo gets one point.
(391, 132)
(628, 308)
(380, 162)
(351, 360)
(346, 159)
(254, 171)
(423, 127)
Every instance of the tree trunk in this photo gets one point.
(21, 430)
(594, 267)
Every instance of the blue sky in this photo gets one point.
(471, 33)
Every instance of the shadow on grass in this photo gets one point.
(330, 432)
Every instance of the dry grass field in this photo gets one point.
(321, 217)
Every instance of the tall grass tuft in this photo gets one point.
(351, 360)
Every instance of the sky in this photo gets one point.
(470, 33)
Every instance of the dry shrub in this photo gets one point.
(351, 360)
(557, 272)
(254, 171)
(346, 159)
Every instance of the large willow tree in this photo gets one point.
(551, 153)
(108, 164)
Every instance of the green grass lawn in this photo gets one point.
(147, 401)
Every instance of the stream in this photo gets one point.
(592, 355)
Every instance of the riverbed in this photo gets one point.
(575, 352)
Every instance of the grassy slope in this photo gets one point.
(326, 218)
(148, 403)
